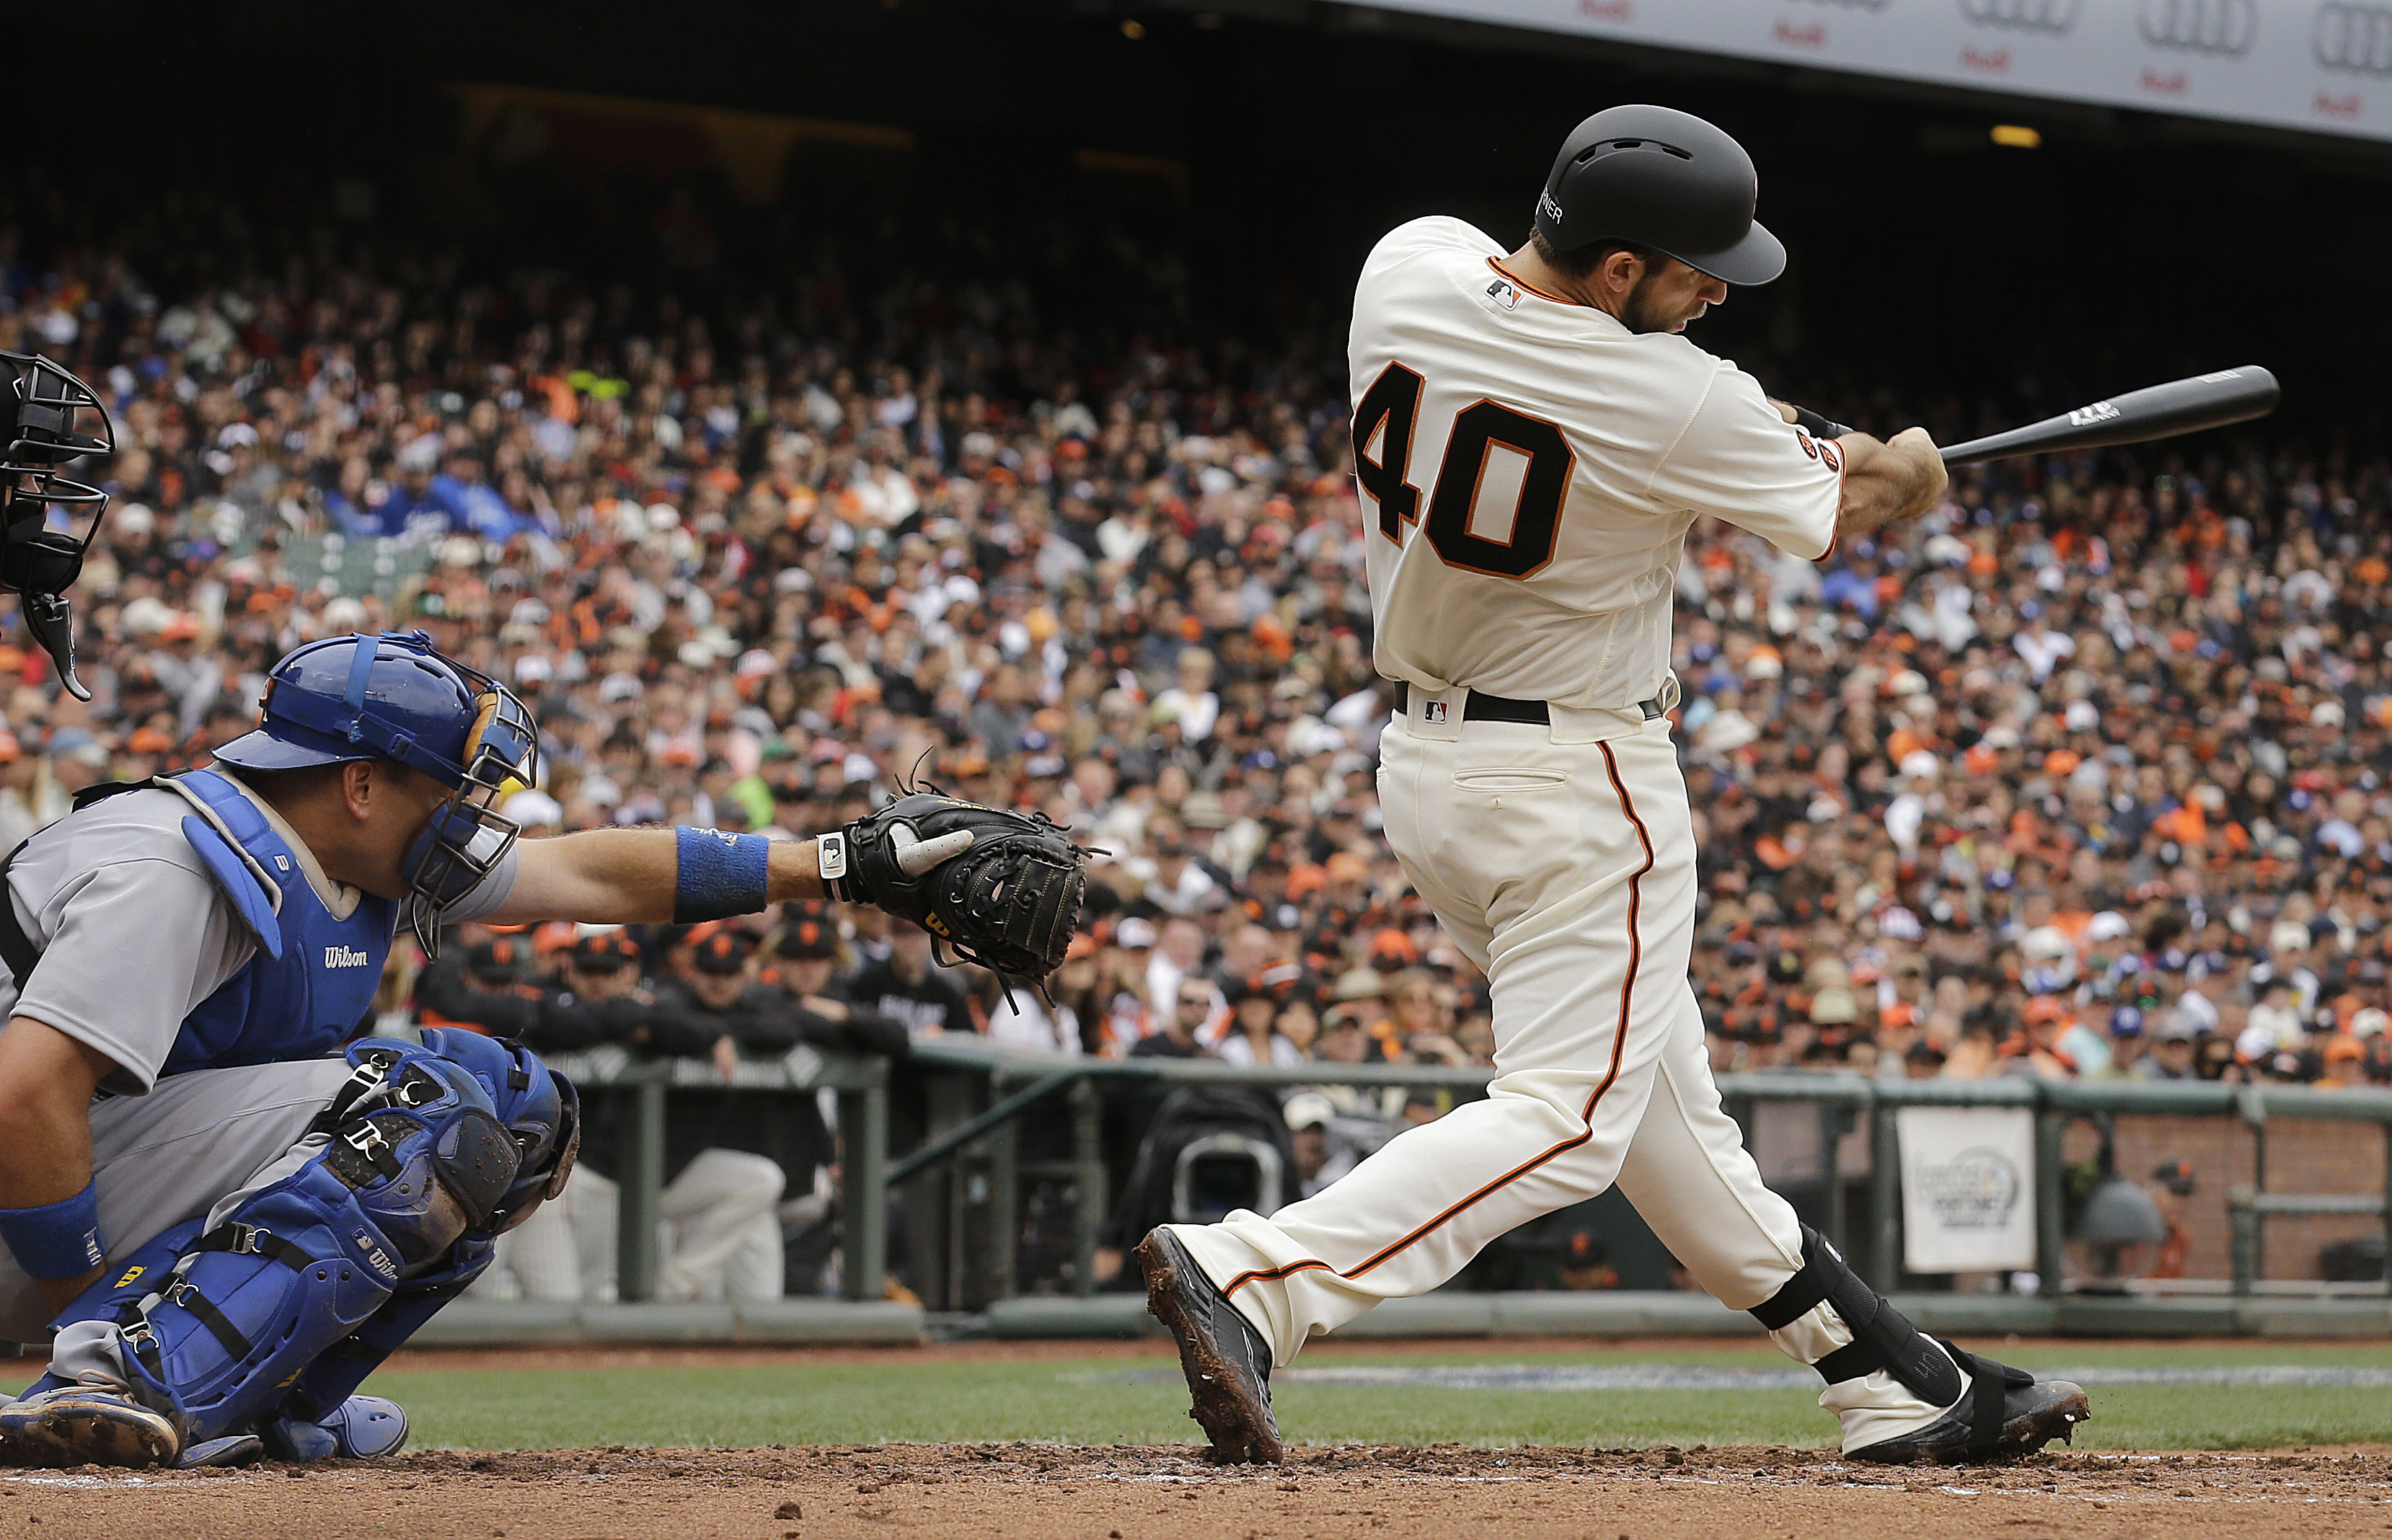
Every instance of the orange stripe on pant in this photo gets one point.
(1618, 1045)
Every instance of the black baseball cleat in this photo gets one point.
(1226, 1360)
(2007, 1413)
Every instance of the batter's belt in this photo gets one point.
(1477, 707)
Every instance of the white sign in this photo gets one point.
(1967, 1188)
(2324, 65)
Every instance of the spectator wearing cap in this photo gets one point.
(1324, 1153)
(806, 967)
(2171, 1184)
(2130, 1057)
(2035, 1049)
(1345, 1039)
(1585, 1263)
(1253, 1035)
(1183, 1035)
(2274, 1026)
(1180, 886)
(2344, 1062)
(485, 987)
(726, 1147)
(908, 988)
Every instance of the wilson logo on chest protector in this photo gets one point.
(345, 957)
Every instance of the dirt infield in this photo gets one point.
(1133, 1494)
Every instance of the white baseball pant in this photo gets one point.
(718, 1234)
(1561, 859)
(723, 1211)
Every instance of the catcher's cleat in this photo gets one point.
(362, 1428)
(2007, 1413)
(1226, 1360)
(231, 1449)
(86, 1425)
(368, 1426)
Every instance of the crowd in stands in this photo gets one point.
(2083, 774)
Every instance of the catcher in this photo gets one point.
(226, 1217)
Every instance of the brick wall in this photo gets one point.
(2304, 1155)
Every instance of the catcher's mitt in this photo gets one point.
(999, 888)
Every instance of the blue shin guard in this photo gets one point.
(266, 1322)
(414, 1163)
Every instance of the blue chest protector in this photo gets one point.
(314, 978)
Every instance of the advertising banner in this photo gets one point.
(2324, 65)
(1967, 1188)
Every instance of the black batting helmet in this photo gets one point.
(1657, 178)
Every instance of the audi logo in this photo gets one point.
(2357, 38)
(2023, 15)
(2223, 27)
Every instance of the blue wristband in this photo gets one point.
(56, 1241)
(720, 874)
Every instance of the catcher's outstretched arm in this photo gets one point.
(620, 876)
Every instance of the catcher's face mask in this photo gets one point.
(50, 421)
(466, 839)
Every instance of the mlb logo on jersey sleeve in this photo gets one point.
(1503, 292)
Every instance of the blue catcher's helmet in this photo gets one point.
(395, 697)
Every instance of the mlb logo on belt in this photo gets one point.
(1432, 711)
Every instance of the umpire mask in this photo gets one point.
(50, 421)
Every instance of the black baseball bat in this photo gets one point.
(2156, 411)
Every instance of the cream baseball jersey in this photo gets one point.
(1529, 468)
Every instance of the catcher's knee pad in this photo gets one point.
(540, 1107)
(415, 1157)
(1882, 1337)
(542, 1115)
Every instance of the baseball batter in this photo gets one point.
(1533, 437)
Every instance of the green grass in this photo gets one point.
(1118, 1401)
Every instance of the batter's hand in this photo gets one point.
(1887, 483)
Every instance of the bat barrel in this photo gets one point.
(2156, 411)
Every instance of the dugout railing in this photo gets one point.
(981, 1094)
(637, 1088)
(960, 1186)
